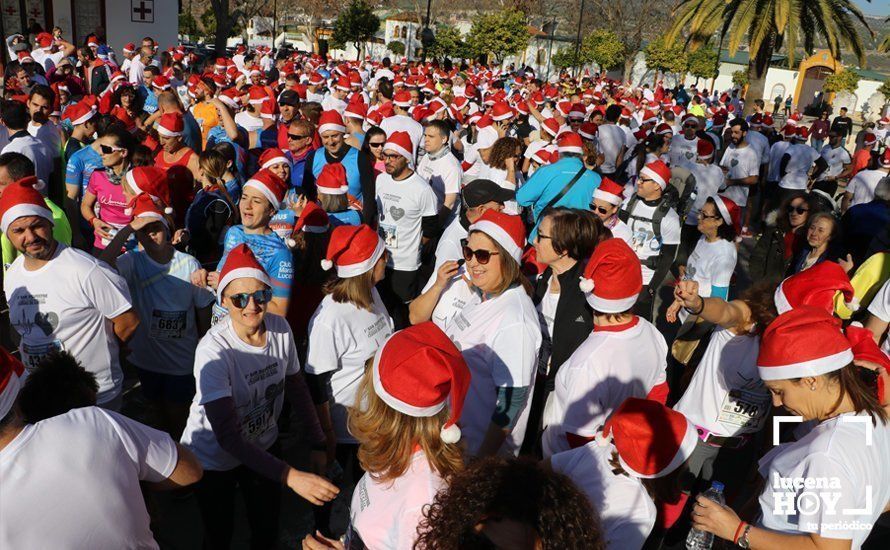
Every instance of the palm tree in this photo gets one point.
(768, 25)
(884, 46)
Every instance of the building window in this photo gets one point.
(778, 90)
(542, 56)
(405, 32)
(395, 32)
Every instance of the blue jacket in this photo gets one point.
(548, 181)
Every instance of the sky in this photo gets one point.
(875, 7)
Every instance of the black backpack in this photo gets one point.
(669, 200)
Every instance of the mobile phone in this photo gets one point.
(461, 262)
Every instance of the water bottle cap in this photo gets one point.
(717, 485)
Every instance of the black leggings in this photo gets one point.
(216, 498)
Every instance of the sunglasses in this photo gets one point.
(295, 137)
(376, 145)
(601, 209)
(707, 217)
(693, 126)
(392, 156)
(260, 297)
(799, 209)
(482, 256)
(108, 149)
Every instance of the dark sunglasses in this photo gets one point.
(601, 209)
(376, 145)
(295, 137)
(392, 156)
(108, 149)
(707, 217)
(799, 209)
(693, 126)
(482, 256)
(260, 297)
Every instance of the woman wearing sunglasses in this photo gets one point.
(115, 147)
(243, 367)
(495, 324)
(784, 239)
(606, 203)
(375, 139)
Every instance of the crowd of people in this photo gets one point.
(499, 311)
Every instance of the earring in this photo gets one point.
(813, 387)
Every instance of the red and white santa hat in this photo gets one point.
(402, 99)
(613, 278)
(729, 211)
(869, 139)
(153, 181)
(816, 287)
(332, 179)
(551, 126)
(144, 206)
(418, 370)
(21, 198)
(506, 230)
(161, 82)
(588, 130)
(79, 112)
(331, 121)
(313, 219)
(12, 371)
(651, 439)
(658, 171)
(171, 125)
(400, 142)
(570, 142)
(356, 109)
(501, 111)
(273, 156)
(354, 249)
(129, 47)
(241, 264)
(270, 185)
(884, 159)
(705, 149)
(609, 191)
(805, 341)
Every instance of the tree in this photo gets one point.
(188, 25)
(740, 78)
(396, 47)
(566, 59)
(357, 24)
(884, 90)
(208, 22)
(499, 34)
(449, 42)
(844, 80)
(229, 17)
(769, 26)
(603, 48)
(702, 63)
(666, 58)
(884, 46)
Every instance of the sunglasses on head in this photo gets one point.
(295, 137)
(482, 256)
(108, 149)
(260, 297)
(799, 209)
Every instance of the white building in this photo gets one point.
(121, 21)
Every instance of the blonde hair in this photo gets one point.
(333, 203)
(387, 438)
(354, 290)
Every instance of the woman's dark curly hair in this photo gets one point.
(503, 149)
(518, 489)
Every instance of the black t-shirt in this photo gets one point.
(843, 125)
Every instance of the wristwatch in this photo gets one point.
(743, 540)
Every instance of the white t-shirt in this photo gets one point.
(403, 123)
(849, 476)
(443, 174)
(36, 151)
(607, 368)
(457, 296)
(863, 185)
(726, 395)
(386, 514)
(342, 337)
(627, 513)
(800, 161)
(50, 135)
(165, 300)
(610, 140)
(136, 68)
(760, 143)
(836, 157)
(622, 231)
(683, 152)
(776, 152)
(741, 163)
(331, 103)
(72, 481)
(711, 264)
(645, 243)
(547, 309)
(68, 305)
(880, 308)
(709, 179)
(499, 339)
(402, 206)
(249, 122)
(449, 247)
(253, 376)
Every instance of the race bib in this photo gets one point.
(745, 409)
(33, 354)
(258, 420)
(217, 313)
(167, 325)
(390, 236)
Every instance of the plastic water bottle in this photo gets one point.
(702, 540)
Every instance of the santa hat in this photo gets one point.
(152, 181)
(332, 179)
(20, 199)
(25, 57)
(273, 156)
(613, 278)
(884, 159)
(729, 211)
(331, 121)
(144, 206)
(418, 370)
(649, 117)
(161, 82)
(171, 125)
(805, 341)
(816, 287)
(354, 249)
(577, 111)
(544, 156)
(663, 129)
(79, 112)
(270, 185)
(651, 440)
(803, 133)
(11, 373)
(313, 219)
(588, 130)
(129, 47)
(400, 142)
(869, 139)
(506, 230)
(609, 191)
(658, 171)
(356, 110)
(241, 264)
(501, 111)
(551, 126)
(705, 149)
(402, 99)
(231, 98)
(570, 142)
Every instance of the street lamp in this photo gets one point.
(578, 39)
(426, 36)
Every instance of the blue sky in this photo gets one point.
(875, 7)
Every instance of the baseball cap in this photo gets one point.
(289, 97)
(481, 191)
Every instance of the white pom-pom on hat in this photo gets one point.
(128, 211)
(327, 264)
(450, 434)
(168, 211)
(586, 285)
(291, 243)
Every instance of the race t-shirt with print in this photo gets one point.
(112, 205)
(797, 170)
(711, 264)
(342, 337)
(81, 166)
(741, 163)
(253, 376)
(646, 243)
(457, 296)
(863, 186)
(165, 300)
(68, 305)
(708, 180)
(402, 205)
(836, 157)
(683, 152)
